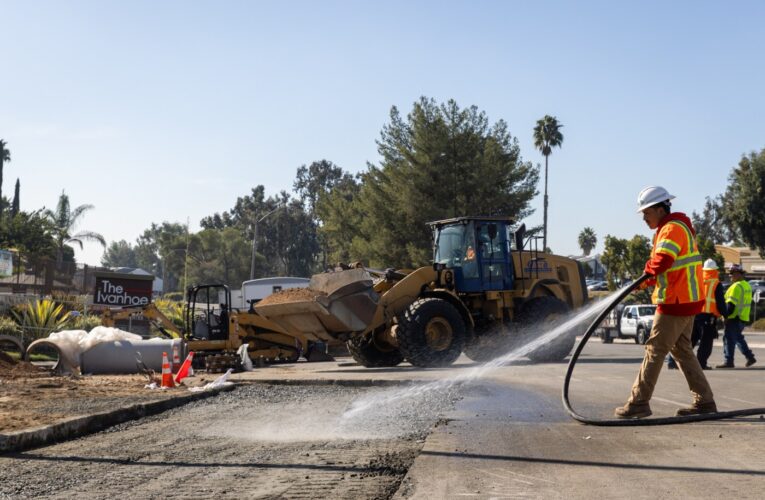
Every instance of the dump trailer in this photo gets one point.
(484, 295)
(215, 331)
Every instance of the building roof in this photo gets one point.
(746, 257)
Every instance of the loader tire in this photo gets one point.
(367, 354)
(488, 344)
(540, 312)
(431, 332)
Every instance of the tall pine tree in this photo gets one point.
(439, 162)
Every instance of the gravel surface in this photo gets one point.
(258, 441)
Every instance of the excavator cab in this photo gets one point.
(207, 311)
(477, 250)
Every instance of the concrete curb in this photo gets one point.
(89, 424)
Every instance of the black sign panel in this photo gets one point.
(118, 290)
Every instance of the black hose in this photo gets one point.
(631, 422)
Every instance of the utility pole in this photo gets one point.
(255, 239)
(186, 260)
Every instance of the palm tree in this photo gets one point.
(5, 155)
(547, 136)
(587, 240)
(63, 221)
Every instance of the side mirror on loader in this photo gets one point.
(520, 234)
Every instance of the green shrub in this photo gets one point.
(40, 318)
(176, 296)
(9, 327)
(70, 302)
(85, 322)
(174, 311)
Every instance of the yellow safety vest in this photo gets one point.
(740, 295)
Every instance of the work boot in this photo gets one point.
(633, 411)
(725, 365)
(697, 409)
(750, 362)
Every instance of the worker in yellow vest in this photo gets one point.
(675, 266)
(714, 307)
(739, 302)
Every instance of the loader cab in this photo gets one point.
(208, 309)
(477, 250)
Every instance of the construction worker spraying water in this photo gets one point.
(675, 270)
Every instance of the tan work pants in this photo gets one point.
(670, 334)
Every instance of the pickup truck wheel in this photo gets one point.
(642, 335)
(366, 353)
(543, 314)
(431, 332)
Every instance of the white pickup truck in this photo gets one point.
(633, 321)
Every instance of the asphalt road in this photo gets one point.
(511, 438)
(499, 433)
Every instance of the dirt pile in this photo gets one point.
(11, 368)
(292, 295)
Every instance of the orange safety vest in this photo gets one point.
(681, 283)
(711, 279)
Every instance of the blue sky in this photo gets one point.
(169, 110)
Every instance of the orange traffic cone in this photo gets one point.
(176, 359)
(185, 370)
(167, 374)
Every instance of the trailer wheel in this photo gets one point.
(546, 311)
(605, 337)
(431, 332)
(366, 353)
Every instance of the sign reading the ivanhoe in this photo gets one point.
(122, 289)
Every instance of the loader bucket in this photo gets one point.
(342, 301)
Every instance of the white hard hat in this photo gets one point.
(710, 264)
(652, 195)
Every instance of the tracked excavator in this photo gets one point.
(484, 294)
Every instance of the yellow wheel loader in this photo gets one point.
(483, 295)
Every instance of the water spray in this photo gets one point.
(634, 422)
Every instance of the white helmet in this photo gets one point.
(652, 195)
(710, 265)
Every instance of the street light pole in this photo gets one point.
(255, 239)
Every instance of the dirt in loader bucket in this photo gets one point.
(337, 302)
(292, 295)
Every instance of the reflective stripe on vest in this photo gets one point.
(710, 304)
(681, 283)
